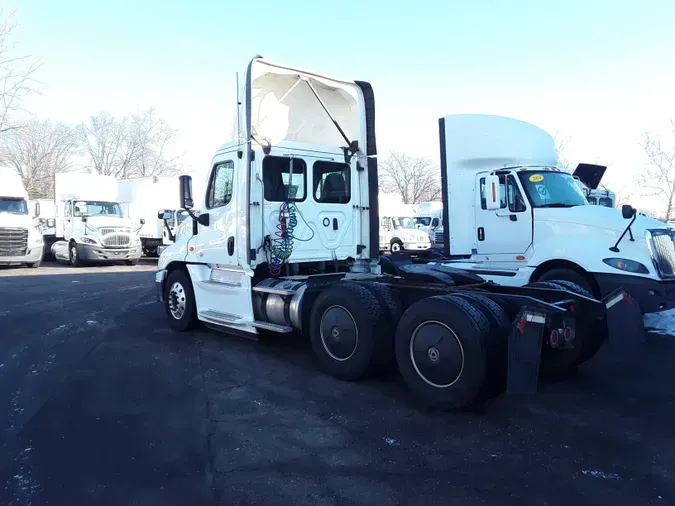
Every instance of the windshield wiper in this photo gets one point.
(557, 204)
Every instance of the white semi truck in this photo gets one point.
(90, 226)
(20, 240)
(541, 228)
(287, 241)
(144, 198)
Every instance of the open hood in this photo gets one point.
(590, 174)
(280, 103)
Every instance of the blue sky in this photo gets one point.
(597, 72)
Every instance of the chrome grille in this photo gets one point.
(115, 237)
(13, 241)
(663, 245)
(438, 237)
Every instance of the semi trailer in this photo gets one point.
(287, 241)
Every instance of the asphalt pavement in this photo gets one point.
(102, 404)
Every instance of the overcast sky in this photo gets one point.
(598, 73)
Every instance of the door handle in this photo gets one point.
(513, 217)
(481, 234)
(230, 245)
(335, 224)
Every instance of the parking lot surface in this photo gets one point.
(102, 404)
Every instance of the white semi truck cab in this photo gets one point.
(90, 224)
(286, 240)
(515, 217)
(20, 240)
(400, 233)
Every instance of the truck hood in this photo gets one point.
(596, 216)
(15, 220)
(107, 221)
(590, 174)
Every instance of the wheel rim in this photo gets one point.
(436, 354)
(339, 333)
(396, 247)
(177, 300)
(73, 254)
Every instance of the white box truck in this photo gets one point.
(539, 226)
(20, 240)
(90, 225)
(286, 240)
(146, 198)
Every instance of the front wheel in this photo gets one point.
(179, 301)
(396, 246)
(74, 256)
(131, 262)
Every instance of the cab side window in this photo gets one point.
(502, 190)
(68, 209)
(332, 184)
(284, 179)
(220, 188)
(510, 194)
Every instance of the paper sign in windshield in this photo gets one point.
(536, 178)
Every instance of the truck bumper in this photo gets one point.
(416, 246)
(33, 254)
(160, 279)
(92, 253)
(652, 295)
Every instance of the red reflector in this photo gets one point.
(572, 308)
(626, 297)
(567, 333)
(521, 325)
(554, 336)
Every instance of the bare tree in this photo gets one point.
(38, 150)
(561, 145)
(132, 146)
(658, 177)
(415, 179)
(153, 137)
(16, 75)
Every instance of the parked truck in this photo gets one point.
(90, 226)
(542, 228)
(287, 241)
(143, 199)
(20, 240)
(588, 177)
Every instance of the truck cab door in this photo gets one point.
(507, 230)
(68, 220)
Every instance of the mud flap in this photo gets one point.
(524, 353)
(625, 326)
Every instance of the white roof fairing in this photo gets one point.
(283, 107)
(484, 142)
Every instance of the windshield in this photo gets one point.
(13, 206)
(551, 189)
(426, 220)
(403, 222)
(90, 208)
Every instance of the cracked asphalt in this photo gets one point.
(102, 404)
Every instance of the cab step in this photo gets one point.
(220, 318)
(281, 329)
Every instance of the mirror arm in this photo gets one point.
(172, 236)
(615, 248)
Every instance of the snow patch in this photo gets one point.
(661, 323)
(391, 442)
(599, 474)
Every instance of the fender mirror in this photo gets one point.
(164, 215)
(628, 211)
(142, 221)
(493, 198)
(37, 209)
(185, 197)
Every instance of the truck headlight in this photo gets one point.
(87, 240)
(625, 264)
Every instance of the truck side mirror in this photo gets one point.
(142, 221)
(493, 198)
(627, 211)
(185, 197)
(164, 215)
(37, 209)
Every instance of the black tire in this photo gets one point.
(497, 340)
(73, 255)
(35, 265)
(555, 362)
(396, 246)
(458, 331)
(178, 293)
(571, 276)
(131, 262)
(392, 305)
(592, 336)
(345, 330)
